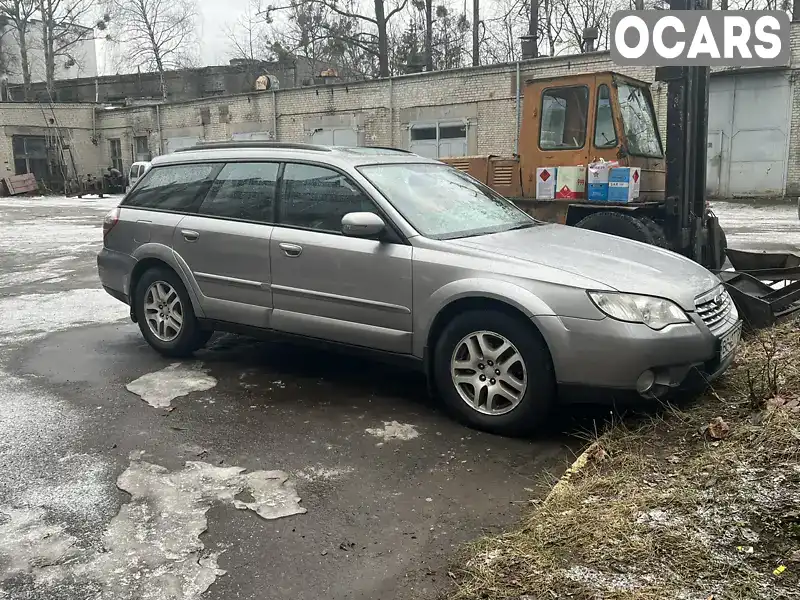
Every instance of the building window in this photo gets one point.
(439, 139)
(141, 151)
(604, 134)
(116, 154)
(563, 118)
(30, 156)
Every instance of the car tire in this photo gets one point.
(508, 415)
(619, 224)
(157, 290)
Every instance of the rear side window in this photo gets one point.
(175, 187)
(134, 172)
(317, 198)
(243, 191)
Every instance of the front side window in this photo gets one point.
(639, 121)
(317, 198)
(604, 134)
(243, 191)
(173, 187)
(563, 118)
(441, 202)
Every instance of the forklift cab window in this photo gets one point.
(563, 118)
(604, 134)
(639, 121)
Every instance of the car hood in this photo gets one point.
(619, 263)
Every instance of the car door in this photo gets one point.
(226, 244)
(330, 286)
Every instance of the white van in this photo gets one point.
(137, 170)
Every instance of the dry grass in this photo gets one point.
(662, 510)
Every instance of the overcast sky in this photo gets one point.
(214, 18)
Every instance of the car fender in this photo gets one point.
(506, 292)
(166, 255)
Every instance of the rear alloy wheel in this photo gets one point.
(619, 224)
(494, 372)
(165, 315)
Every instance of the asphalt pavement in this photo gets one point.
(256, 470)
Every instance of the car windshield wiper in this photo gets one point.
(523, 226)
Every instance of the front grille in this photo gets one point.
(716, 309)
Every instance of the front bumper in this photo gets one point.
(613, 355)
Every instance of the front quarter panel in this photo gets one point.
(441, 278)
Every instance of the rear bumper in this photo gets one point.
(114, 269)
(611, 355)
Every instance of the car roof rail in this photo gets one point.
(366, 149)
(253, 144)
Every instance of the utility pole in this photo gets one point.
(429, 35)
(476, 19)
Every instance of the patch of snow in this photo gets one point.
(29, 316)
(152, 548)
(315, 473)
(392, 430)
(28, 542)
(90, 201)
(160, 388)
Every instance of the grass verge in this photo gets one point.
(698, 502)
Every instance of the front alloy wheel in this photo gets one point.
(494, 372)
(163, 311)
(488, 372)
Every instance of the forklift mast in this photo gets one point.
(686, 220)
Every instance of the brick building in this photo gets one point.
(753, 151)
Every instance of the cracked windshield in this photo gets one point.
(443, 203)
(640, 126)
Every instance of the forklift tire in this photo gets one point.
(659, 237)
(619, 224)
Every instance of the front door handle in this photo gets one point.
(189, 235)
(291, 250)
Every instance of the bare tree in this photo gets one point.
(580, 14)
(371, 37)
(66, 25)
(158, 35)
(18, 15)
(247, 37)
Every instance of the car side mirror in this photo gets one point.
(362, 224)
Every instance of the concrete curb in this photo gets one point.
(572, 471)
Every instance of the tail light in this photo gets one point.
(111, 219)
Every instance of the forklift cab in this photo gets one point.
(580, 119)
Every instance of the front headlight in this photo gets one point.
(656, 313)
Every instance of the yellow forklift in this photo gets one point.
(581, 119)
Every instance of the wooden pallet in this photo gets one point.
(19, 184)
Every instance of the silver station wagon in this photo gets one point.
(409, 258)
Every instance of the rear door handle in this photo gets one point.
(291, 250)
(189, 235)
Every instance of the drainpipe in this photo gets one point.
(274, 116)
(516, 135)
(391, 113)
(158, 126)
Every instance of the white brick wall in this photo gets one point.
(486, 92)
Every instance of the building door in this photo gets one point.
(749, 120)
(335, 136)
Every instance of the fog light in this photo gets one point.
(645, 382)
